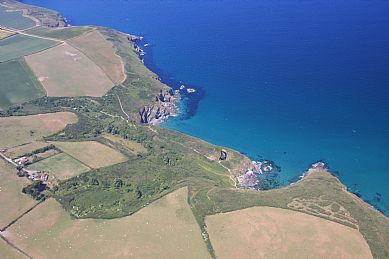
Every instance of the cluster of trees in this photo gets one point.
(35, 190)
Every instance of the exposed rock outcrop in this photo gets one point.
(153, 114)
(248, 180)
(163, 108)
(223, 155)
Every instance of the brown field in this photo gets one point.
(266, 232)
(23, 149)
(13, 201)
(74, 75)
(98, 49)
(91, 153)
(5, 34)
(164, 229)
(43, 155)
(19, 130)
(132, 146)
(7, 252)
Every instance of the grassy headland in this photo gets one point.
(159, 161)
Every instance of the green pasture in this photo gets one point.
(14, 19)
(62, 166)
(21, 45)
(18, 84)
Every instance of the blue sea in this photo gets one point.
(293, 81)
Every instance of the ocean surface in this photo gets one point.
(292, 81)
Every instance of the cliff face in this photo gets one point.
(163, 107)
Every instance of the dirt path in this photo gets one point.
(32, 35)
(121, 107)
(231, 175)
(9, 160)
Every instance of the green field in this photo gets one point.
(62, 166)
(18, 130)
(60, 33)
(91, 153)
(14, 19)
(18, 84)
(21, 45)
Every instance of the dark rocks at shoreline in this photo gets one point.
(248, 180)
(163, 108)
(149, 114)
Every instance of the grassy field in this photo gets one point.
(91, 153)
(75, 75)
(62, 166)
(60, 33)
(132, 146)
(23, 149)
(265, 232)
(18, 84)
(14, 19)
(13, 201)
(164, 229)
(320, 194)
(101, 51)
(19, 130)
(7, 252)
(19, 45)
(5, 34)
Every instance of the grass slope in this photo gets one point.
(18, 84)
(19, 45)
(13, 19)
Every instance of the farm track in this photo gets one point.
(121, 107)
(21, 32)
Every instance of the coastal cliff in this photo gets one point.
(164, 106)
(169, 160)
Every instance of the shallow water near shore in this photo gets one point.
(290, 81)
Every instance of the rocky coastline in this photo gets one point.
(165, 102)
(165, 106)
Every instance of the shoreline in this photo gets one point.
(164, 118)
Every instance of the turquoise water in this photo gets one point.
(291, 81)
